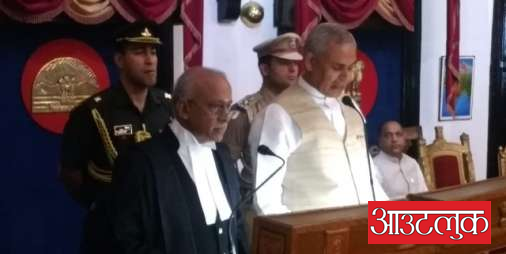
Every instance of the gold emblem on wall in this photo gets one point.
(363, 87)
(61, 84)
(57, 76)
(353, 88)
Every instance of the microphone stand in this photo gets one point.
(348, 101)
(264, 150)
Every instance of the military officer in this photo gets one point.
(105, 124)
(278, 61)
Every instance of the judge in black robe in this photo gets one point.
(156, 200)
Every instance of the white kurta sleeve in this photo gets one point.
(420, 185)
(377, 181)
(275, 129)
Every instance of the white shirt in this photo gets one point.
(199, 161)
(399, 176)
(275, 129)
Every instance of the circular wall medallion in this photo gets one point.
(252, 13)
(57, 77)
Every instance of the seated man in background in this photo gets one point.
(400, 174)
(176, 193)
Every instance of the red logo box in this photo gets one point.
(429, 222)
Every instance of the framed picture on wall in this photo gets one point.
(462, 107)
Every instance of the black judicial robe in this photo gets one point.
(157, 206)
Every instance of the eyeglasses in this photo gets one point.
(216, 109)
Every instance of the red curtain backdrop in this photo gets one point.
(154, 10)
(31, 11)
(452, 54)
(89, 12)
(398, 12)
(308, 15)
(406, 12)
(351, 13)
(96, 11)
(192, 16)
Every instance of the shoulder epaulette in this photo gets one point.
(160, 94)
(249, 105)
(97, 99)
(249, 101)
(92, 102)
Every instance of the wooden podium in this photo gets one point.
(344, 230)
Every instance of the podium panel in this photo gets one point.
(344, 230)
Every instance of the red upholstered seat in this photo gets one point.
(446, 171)
(444, 163)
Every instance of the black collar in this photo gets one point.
(121, 98)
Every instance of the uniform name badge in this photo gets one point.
(123, 130)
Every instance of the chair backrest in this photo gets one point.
(413, 136)
(501, 161)
(446, 164)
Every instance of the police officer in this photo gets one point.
(278, 61)
(105, 124)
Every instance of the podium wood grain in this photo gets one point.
(344, 230)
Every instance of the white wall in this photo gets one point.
(475, 40)
(228, 47)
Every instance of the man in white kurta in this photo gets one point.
(321, 139)
(400, 174)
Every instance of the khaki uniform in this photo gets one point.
(236, 136)
(286, 46)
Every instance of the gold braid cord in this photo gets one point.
(99, 174)
(110, 150)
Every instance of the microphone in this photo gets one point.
(264, 150)
(348, 101)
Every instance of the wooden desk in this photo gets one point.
(344, 230)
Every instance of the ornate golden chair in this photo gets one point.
(446, 164)
(501, 161)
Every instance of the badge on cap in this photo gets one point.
(139, 35)
(292, 43)
(146, 33)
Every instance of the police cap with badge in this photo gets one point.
(142, 32)
(286, 46)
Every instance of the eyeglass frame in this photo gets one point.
(214, 109)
